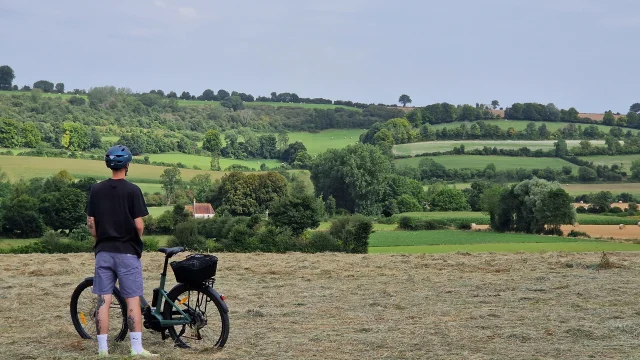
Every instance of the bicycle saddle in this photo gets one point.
(171, 251)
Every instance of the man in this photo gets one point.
(115, 209)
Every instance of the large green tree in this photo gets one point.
(212, 142)
(404, 99)
(356, 176)
(63, 210)
(44, 85)
(248, 194)
(171, 180)
(9, 133)
(297, 212)
(21, 218)
(76, 136)
(6, 77)
(30, 135)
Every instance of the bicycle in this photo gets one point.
(196, 273)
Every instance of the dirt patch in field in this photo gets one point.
(627, 232)
(339, 306)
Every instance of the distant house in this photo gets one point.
(201, 210)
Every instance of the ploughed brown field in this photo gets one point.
(340, 306)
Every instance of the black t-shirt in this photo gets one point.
(115, 204)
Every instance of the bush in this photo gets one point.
(574, 233)
(553, 231)
(81, 234)
(352, 233)
(616, 210)
(273, 239)
(150, 244)
(186, 235)
(322, 241)
(415, 224)
(581, 210)
(463, 226)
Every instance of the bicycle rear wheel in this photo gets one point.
(83, 306)
(209, 328)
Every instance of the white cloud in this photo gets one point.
(187, 12)
(160, 3)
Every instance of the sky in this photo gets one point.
(579, 53)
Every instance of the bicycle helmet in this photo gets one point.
(118, 157)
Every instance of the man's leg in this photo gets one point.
(103, 282)
(131, 286)
(102, 322)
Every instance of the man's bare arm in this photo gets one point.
(139, 226)
(91, 224)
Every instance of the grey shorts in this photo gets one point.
(126, 268)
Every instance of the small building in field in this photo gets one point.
(201, 210)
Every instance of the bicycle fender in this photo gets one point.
(217, 296)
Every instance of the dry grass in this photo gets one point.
(338, 306)
(628, 232)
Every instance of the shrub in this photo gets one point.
(616, 210)
(415, 224)
(150, 244)
(80, 234)
(352, 232)
(186, 235)
(273, 239)
(463, 226)
(581, 210)
(574, 233)
(553, 231)
(322, 241)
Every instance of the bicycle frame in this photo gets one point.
(162, 294)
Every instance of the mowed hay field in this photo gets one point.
(624, 160)
(27, 167)
(340, 306)
(480, 162)
(435, 146)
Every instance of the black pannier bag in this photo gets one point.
(195, 269)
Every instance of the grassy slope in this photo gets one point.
(210, 103)
(28, 167)
(625, 160)
(582, 246)
(204, 162)
(434, 146)
(481, 219)
(522, 124)
(452, 237)
(480, 162)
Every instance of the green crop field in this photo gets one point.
(522, 124)
(624, 160)
(579, 189)
(326, 139)
(203, 103)
(156, 211)
(435, 146)
(454, 237)
(480, 162)
(480, 219)
(150, 188)
(582, 246)
(204, 162)
(27, 167)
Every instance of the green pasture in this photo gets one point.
(455, 237)
(204, 162)
(435, 146)
(579, 189)
(581, 246)
(156, 211)
(27, 167)
(480, 219)
(624, 160)
(522, 124)
(480, 162)
(150, 188)
(327, 139)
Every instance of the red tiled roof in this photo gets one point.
(205, 208)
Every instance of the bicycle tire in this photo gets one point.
(213, 296)
(73, 308)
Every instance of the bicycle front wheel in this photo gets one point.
(83, 306)
(209, 327)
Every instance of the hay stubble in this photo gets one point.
(338, 306)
